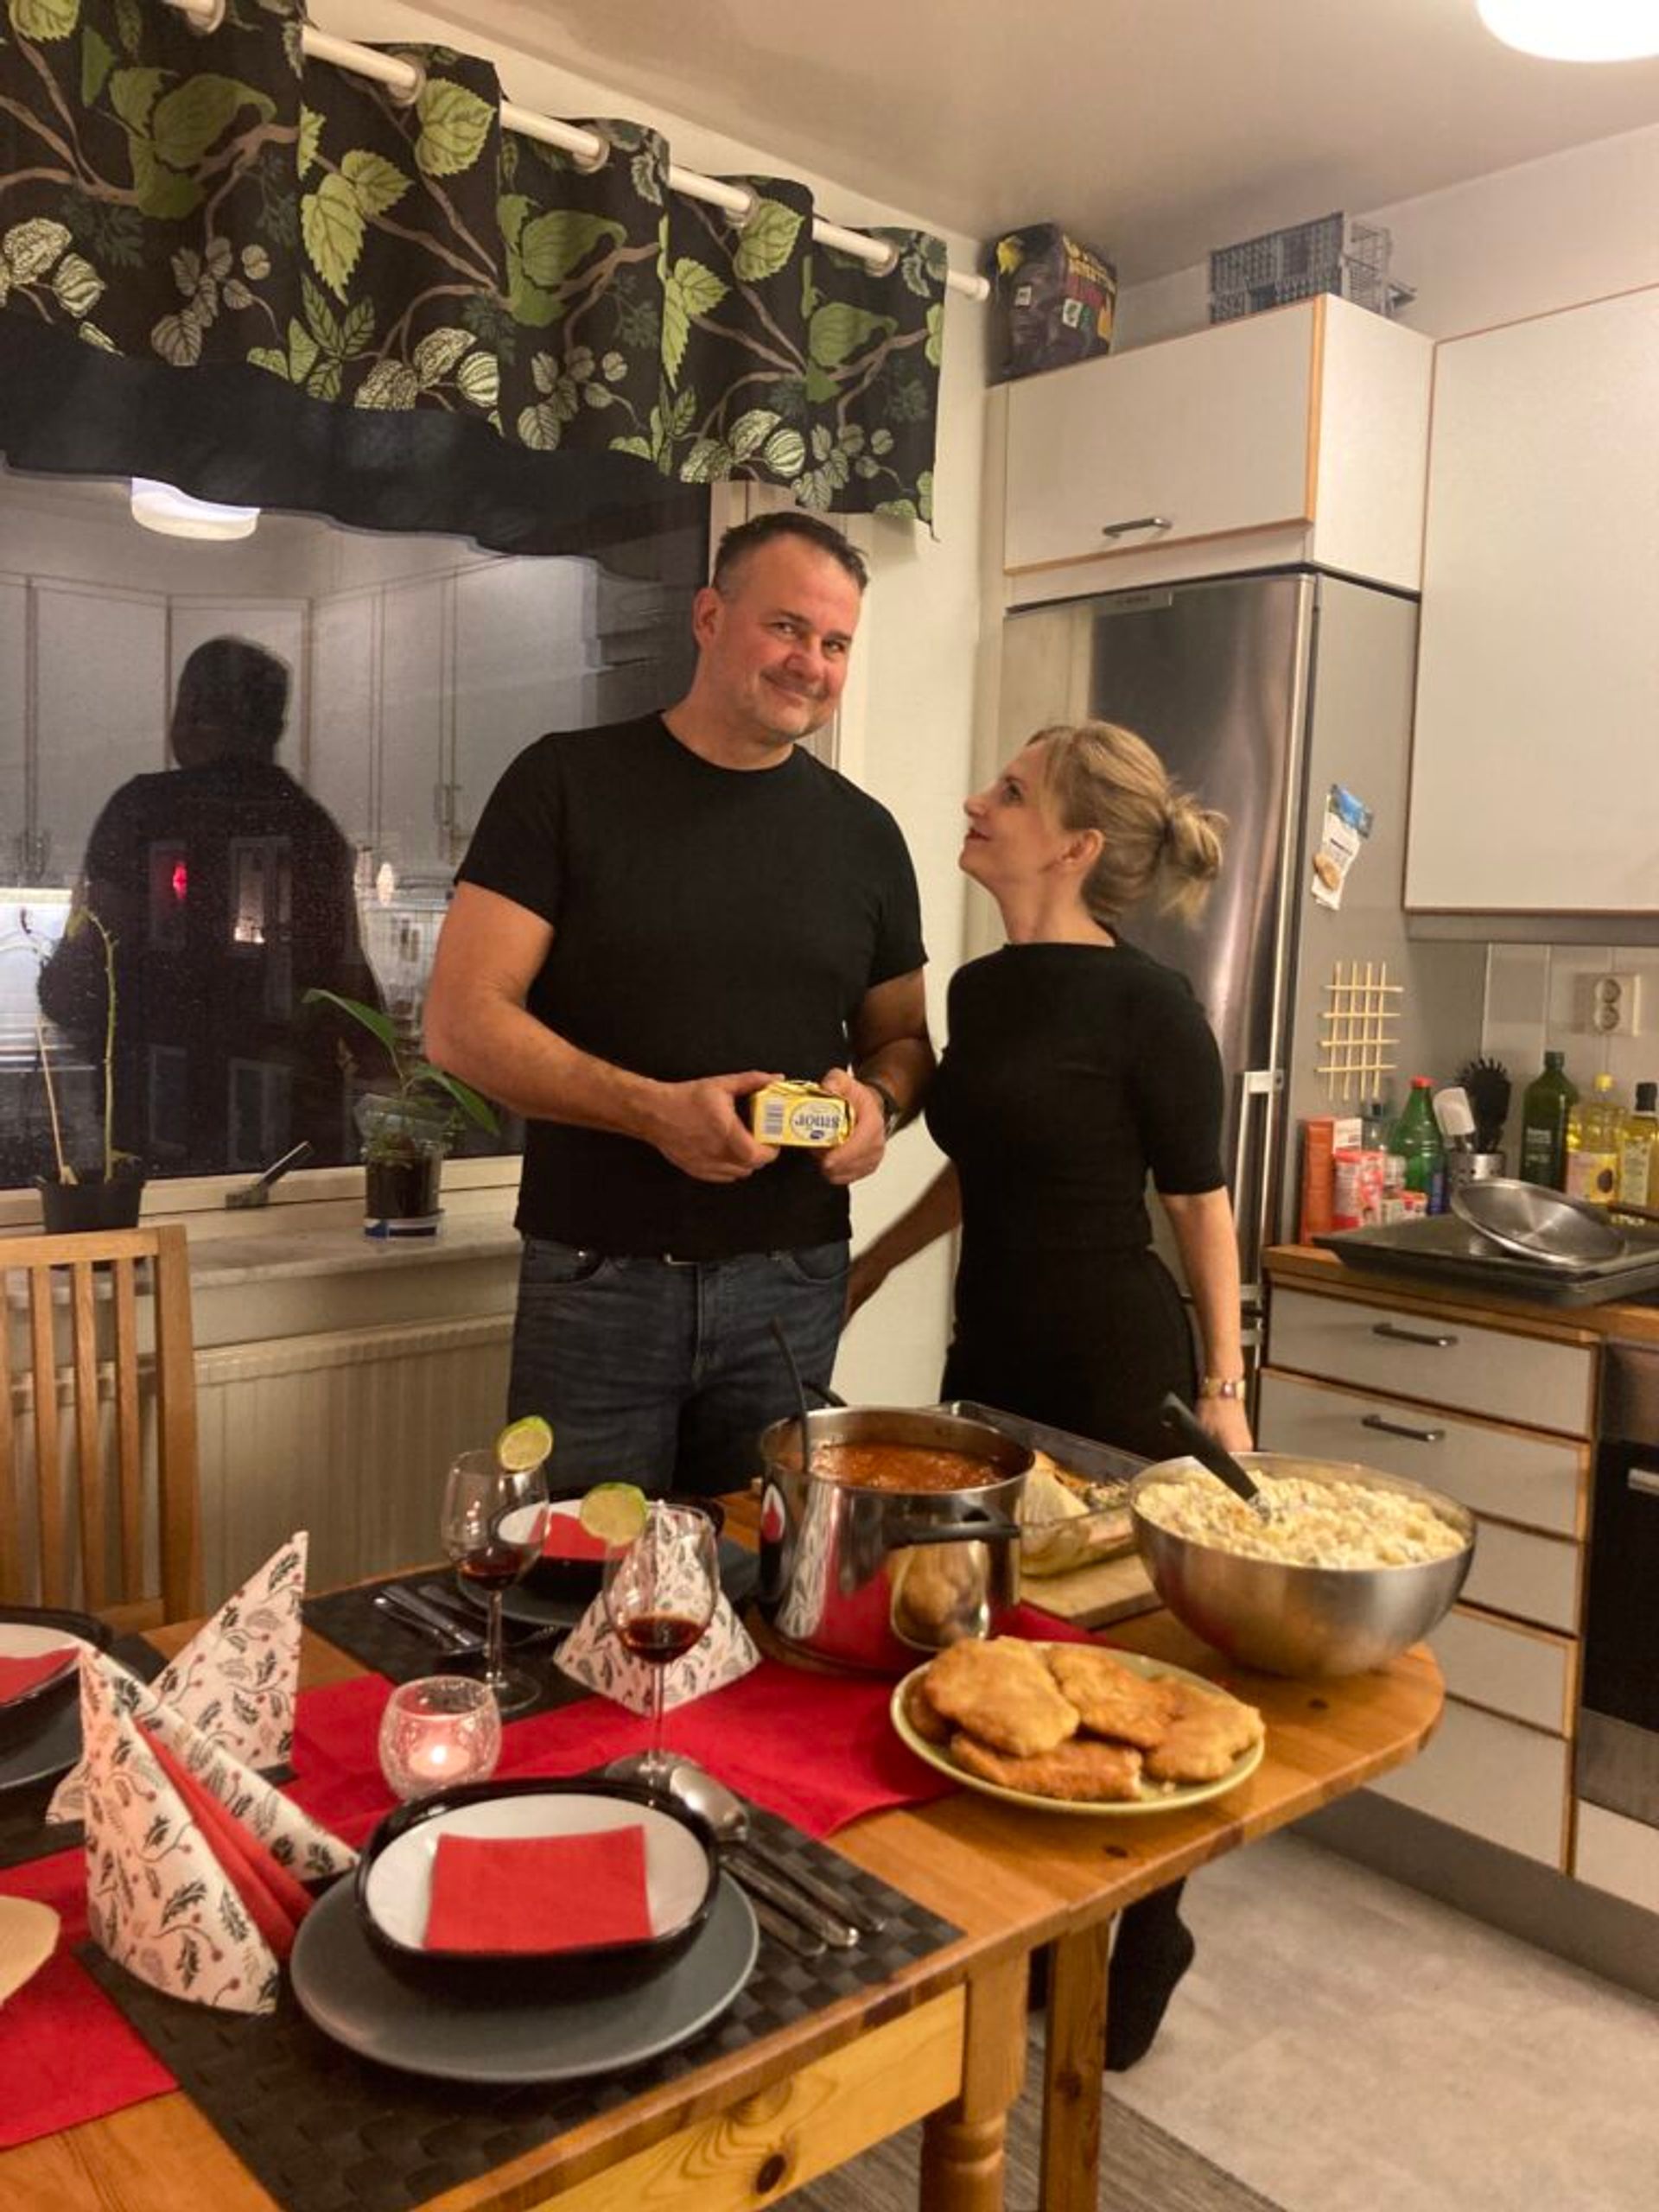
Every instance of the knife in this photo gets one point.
(413, 1612)
(762, 1882)
(853, 1910)
(785, 1931)
(465, 1618)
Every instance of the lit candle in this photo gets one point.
(441, 1730)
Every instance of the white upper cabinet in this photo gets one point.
(1299, 435)
(1535, 758)
(102, 709)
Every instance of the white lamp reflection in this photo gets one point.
(173, 513)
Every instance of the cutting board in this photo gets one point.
(1093, 1596)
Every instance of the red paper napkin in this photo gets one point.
(566, 1539)
(538, 1892)
(18, 1675)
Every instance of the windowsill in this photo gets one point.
(312, 1224)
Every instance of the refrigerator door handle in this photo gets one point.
(1255, 1084)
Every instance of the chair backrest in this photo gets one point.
(74, 1495)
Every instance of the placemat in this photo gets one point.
(325, 2131)
(23, 1833)
(352, 1620)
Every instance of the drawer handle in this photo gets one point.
(1644, 1480)
(1399, 1428)
(1396, 1335)
(1140, 522)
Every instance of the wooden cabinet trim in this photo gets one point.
(1176, 537)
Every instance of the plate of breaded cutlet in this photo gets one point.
(1076, 1728)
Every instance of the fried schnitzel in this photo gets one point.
(1001, 1692)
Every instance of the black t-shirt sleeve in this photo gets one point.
(517, 848)
(899, 947)
(1176, 1082)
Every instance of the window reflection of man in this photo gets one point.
(229, 892)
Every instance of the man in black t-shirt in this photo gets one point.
(652, 921)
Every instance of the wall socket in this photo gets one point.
(1613, 1006)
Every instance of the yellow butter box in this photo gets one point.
(799, 1113)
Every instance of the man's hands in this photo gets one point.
(700, 1128)
(861, 1153)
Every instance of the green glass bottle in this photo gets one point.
(1415, 1138)
(1549, 1099)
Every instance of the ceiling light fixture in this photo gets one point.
(1575, 30)
(162, 507)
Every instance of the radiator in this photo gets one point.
(346, 1435)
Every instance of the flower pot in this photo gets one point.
(401, 1195)
(404, 1141)
(92, 1202)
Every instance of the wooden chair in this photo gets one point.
(74, 1496)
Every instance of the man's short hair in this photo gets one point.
(238, 688)
(748, 538)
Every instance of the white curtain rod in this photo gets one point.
(404, 80)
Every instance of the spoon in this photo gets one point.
(1180, 1416)
(726, 1816)
(776, 1327)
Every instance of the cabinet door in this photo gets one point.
(1534, 772)
(345, 662)
(13, 730)
(418, 642)
(523, 667)
(278, 625)
(1212, 434)
(103, 705)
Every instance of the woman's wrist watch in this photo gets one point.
(1221, 1386)
(892, 1112)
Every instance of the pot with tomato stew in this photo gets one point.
(898, 1535)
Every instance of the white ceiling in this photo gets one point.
(1152, 129)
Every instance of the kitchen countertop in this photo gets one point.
(1627, 1322)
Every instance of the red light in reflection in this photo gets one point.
(180, 881)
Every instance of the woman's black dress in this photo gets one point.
(1071, 1070)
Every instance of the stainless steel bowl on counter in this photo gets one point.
(1301, 1620)
(881, 1577)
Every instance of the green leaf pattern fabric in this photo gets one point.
(212, 201)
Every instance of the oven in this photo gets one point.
(1618, 1717)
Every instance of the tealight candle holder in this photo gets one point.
(439, 1731)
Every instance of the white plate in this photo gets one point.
(397, 1889)
(349, 1991)
(1155, 1797)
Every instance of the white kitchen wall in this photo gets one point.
(917, 645)
(1575, 225)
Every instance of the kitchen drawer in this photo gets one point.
(1462, 1364)
(1522, 1674)
(1617, 1855)
(1534, 1480)
(1491, 1777)
(1533, 1578)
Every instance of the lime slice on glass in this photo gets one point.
(523, 1443)
(615, 1512)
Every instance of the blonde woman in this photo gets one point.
(1076, 1066)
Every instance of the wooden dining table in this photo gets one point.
(942, 2042)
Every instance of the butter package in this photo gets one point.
(799, 1113)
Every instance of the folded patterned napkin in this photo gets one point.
(194, 1862)
(19, 1676)
(538, 1892)
(592, 1655)
(237, 1677)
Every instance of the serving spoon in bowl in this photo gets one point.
(1179, 1418)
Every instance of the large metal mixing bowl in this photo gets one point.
(1301, 1620)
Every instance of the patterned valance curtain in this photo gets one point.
(269, 281)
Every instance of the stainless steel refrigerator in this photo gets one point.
(1261, 692)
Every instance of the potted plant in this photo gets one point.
(109, 1195)
(407, 1130)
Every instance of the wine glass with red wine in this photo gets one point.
(493, 1524)
(660, 1593)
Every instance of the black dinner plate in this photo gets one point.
(39, 1733)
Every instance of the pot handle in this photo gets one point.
(986, 1528)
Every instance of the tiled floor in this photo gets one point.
(1342, 2043)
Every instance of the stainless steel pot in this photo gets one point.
(880, 1579)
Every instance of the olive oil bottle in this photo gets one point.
(1550, 1098)
(1638, 1147)
(1594, 1128)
